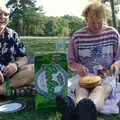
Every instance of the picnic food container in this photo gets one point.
(51, 79)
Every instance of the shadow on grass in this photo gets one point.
(29, 112)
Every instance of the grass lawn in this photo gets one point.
(29, 113)
(38, 46)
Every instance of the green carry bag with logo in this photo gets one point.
(51, 79)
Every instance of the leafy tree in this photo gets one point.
(63, 27)
(74, 23)
(23, 13)
(50, 26)
(27, 19)
(114, 4)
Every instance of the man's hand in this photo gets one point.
(10, 69)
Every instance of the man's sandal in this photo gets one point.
(27, 90)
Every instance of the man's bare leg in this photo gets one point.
(22, 78)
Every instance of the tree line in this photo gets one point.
(29, 20)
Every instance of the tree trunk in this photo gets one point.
(113, 13)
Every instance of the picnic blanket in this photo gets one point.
(111, 104)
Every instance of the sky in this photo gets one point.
(62, 7)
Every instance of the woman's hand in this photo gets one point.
(10, 69)
(82, 70)
(78, 68)
(115, 67)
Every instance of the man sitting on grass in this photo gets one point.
(13, 60)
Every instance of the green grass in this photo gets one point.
(38, 46)
(29, 113)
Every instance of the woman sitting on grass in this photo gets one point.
(95, 44)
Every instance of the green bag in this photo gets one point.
(51, 79)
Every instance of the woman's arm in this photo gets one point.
(72, 60)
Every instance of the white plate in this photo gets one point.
(11, 107)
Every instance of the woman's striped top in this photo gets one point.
(91, 49)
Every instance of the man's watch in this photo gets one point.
(17, 66)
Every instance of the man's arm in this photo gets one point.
(12, 68)
(21, 61)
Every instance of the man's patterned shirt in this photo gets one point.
(11, 47)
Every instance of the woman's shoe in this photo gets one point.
(65, 106)
(86, 110)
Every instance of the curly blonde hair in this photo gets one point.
(97, 10)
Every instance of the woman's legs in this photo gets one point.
(99, 94)
(81, 93)
(85, 108)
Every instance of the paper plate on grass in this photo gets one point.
(12, 107)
